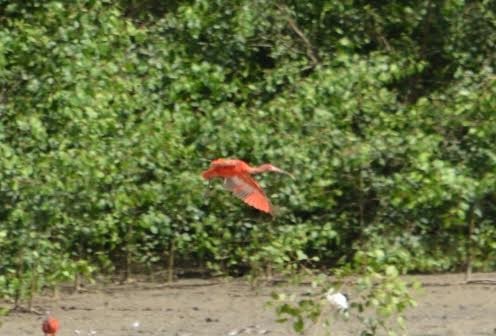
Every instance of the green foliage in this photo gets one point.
(110, 110)
(383, 293)
(379, 298)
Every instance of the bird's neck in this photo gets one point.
(260, 169)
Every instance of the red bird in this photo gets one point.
(238, 180)
(50, 325)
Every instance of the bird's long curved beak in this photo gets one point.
(279, 170)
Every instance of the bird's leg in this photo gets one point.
(207, 191)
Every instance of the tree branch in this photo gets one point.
(310, 50)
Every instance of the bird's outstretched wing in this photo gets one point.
(247, 189)
(224, 163)
(220, 168)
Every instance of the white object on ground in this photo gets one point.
(338, 300)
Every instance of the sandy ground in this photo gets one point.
(197, 307)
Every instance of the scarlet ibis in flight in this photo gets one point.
(50, 325)
(238, 180)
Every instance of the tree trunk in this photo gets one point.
(470, 247)
(170, 262)
(77, 282)
(32, 290)
(127, 254)
(55, 292)
(20, 277)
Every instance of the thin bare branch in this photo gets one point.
(310, 50)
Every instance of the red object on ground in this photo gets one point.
(50, 326)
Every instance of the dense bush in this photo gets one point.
(109, 112)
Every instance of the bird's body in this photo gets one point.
(238, 180)
(50, 326)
